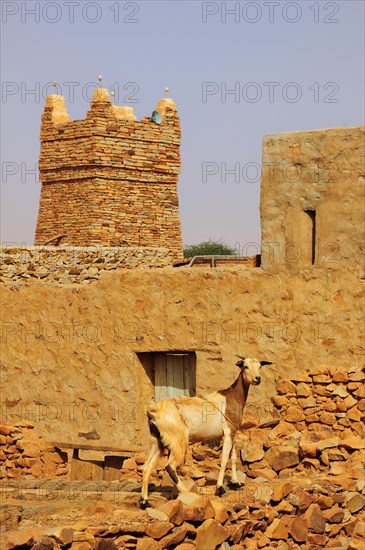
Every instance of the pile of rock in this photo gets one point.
(192, 521)
(24, 454)
(74, 264)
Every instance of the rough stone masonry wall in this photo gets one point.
(108, 181)
(74, 264)
(321, 173)
(23, 453)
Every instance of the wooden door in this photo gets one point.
(174, 375)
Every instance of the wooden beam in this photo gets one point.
(88, 447)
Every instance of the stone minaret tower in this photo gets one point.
(110, 180)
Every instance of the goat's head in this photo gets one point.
(251, 369)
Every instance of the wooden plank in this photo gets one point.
(178, 374)
(100, 456)
(192, 375)
(80, 470)
(86, 471)
(186, 374)
(160, 376)
(107, 449)
(112, 468)
(170, 390)
(97, 472)
(91, 455)
(164, 384)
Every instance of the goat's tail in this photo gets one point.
(168, 427)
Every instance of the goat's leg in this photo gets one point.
(234, 484)
(150, 463)
(171, 468)
(227, 446)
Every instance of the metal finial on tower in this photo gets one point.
(167, 92)
(55, 87)
(112, 93)
(128, 99)
(100, 78)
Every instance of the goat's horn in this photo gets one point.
(241, 357)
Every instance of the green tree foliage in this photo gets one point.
(208, 248)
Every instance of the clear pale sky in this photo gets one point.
(311, 51)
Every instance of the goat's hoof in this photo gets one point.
(220, 491)
(235, 485)
(143, 504)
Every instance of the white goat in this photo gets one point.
(173, 422)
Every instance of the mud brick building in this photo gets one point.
(109, 180)
(312, 200)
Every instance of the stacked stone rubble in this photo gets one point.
(109, 180)
(23, 454)
(75, 264)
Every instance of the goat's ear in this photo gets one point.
(239, 364)
(263, 363)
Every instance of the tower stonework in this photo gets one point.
(109, 180)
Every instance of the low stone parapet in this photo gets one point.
(74, 264)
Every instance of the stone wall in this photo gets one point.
(109, 179)
(312, 200)
(74, 264)
(73, 355)
(23, 453)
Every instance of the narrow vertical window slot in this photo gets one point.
(312, 215)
